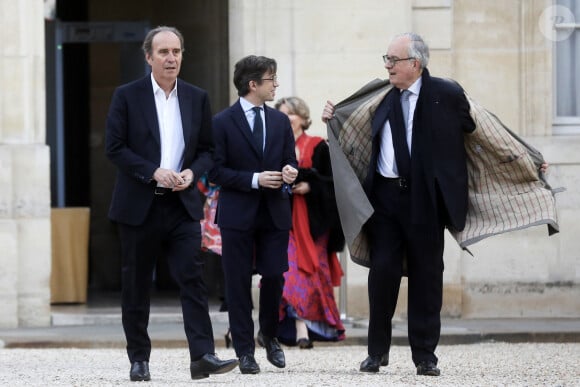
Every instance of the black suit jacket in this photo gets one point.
(237, 158)
(133, 145)
(438, 159)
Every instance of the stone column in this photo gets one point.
(25, 258)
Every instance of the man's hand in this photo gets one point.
(167, 178)
(328, 111)
(289, 174)
(186, 179)
(171, 179)
(301, 188)
(270, 179)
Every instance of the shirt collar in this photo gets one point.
(247, 105)
(156, 86)
(416, 86)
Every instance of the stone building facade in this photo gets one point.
(499, 52)
(25, 250)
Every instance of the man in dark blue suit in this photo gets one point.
(417, 184)
(255, 164)
(159, 137)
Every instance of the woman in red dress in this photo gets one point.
(211, 239)
(308, 309)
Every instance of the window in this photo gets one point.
(567, 69)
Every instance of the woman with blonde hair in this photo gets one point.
(308, 309)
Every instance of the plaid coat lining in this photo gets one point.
(506, 190)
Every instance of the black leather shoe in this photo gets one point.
(373, 363)
(274, 352)
(385, 360)
(248, 365)
(211, 364)
(304, 343)
(428, 368)
(228, 338)
(139, 371)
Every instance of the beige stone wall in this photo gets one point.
(328, 49)
(24, 168)
(503, 60)
(325, 49)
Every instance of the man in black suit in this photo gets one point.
(255, 163)
(417, 184)
(159, 137)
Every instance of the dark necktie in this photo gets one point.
(405, 106)
(399, 132)
(258, 130)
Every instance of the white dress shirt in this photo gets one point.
(170, 127)
(386, 164)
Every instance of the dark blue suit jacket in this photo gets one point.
(133, 145)
(438, 161)
(237, 158)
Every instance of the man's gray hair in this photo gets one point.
(417, 48)
(148, 41)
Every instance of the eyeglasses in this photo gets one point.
(273, 78)
(392, 60)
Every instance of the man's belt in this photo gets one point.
(401, 182)
(160, 191)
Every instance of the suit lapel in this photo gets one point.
(185, 103)
(381, 114)
(241, 122)
(268, 124)
(147, 102)
(427, 101)
(424, 123)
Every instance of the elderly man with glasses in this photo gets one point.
(417, 185)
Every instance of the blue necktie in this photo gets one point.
(405, 106)
(258, 130)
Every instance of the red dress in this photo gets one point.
(211, 238)
(313, 270)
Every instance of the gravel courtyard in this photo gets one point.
(485, 364)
